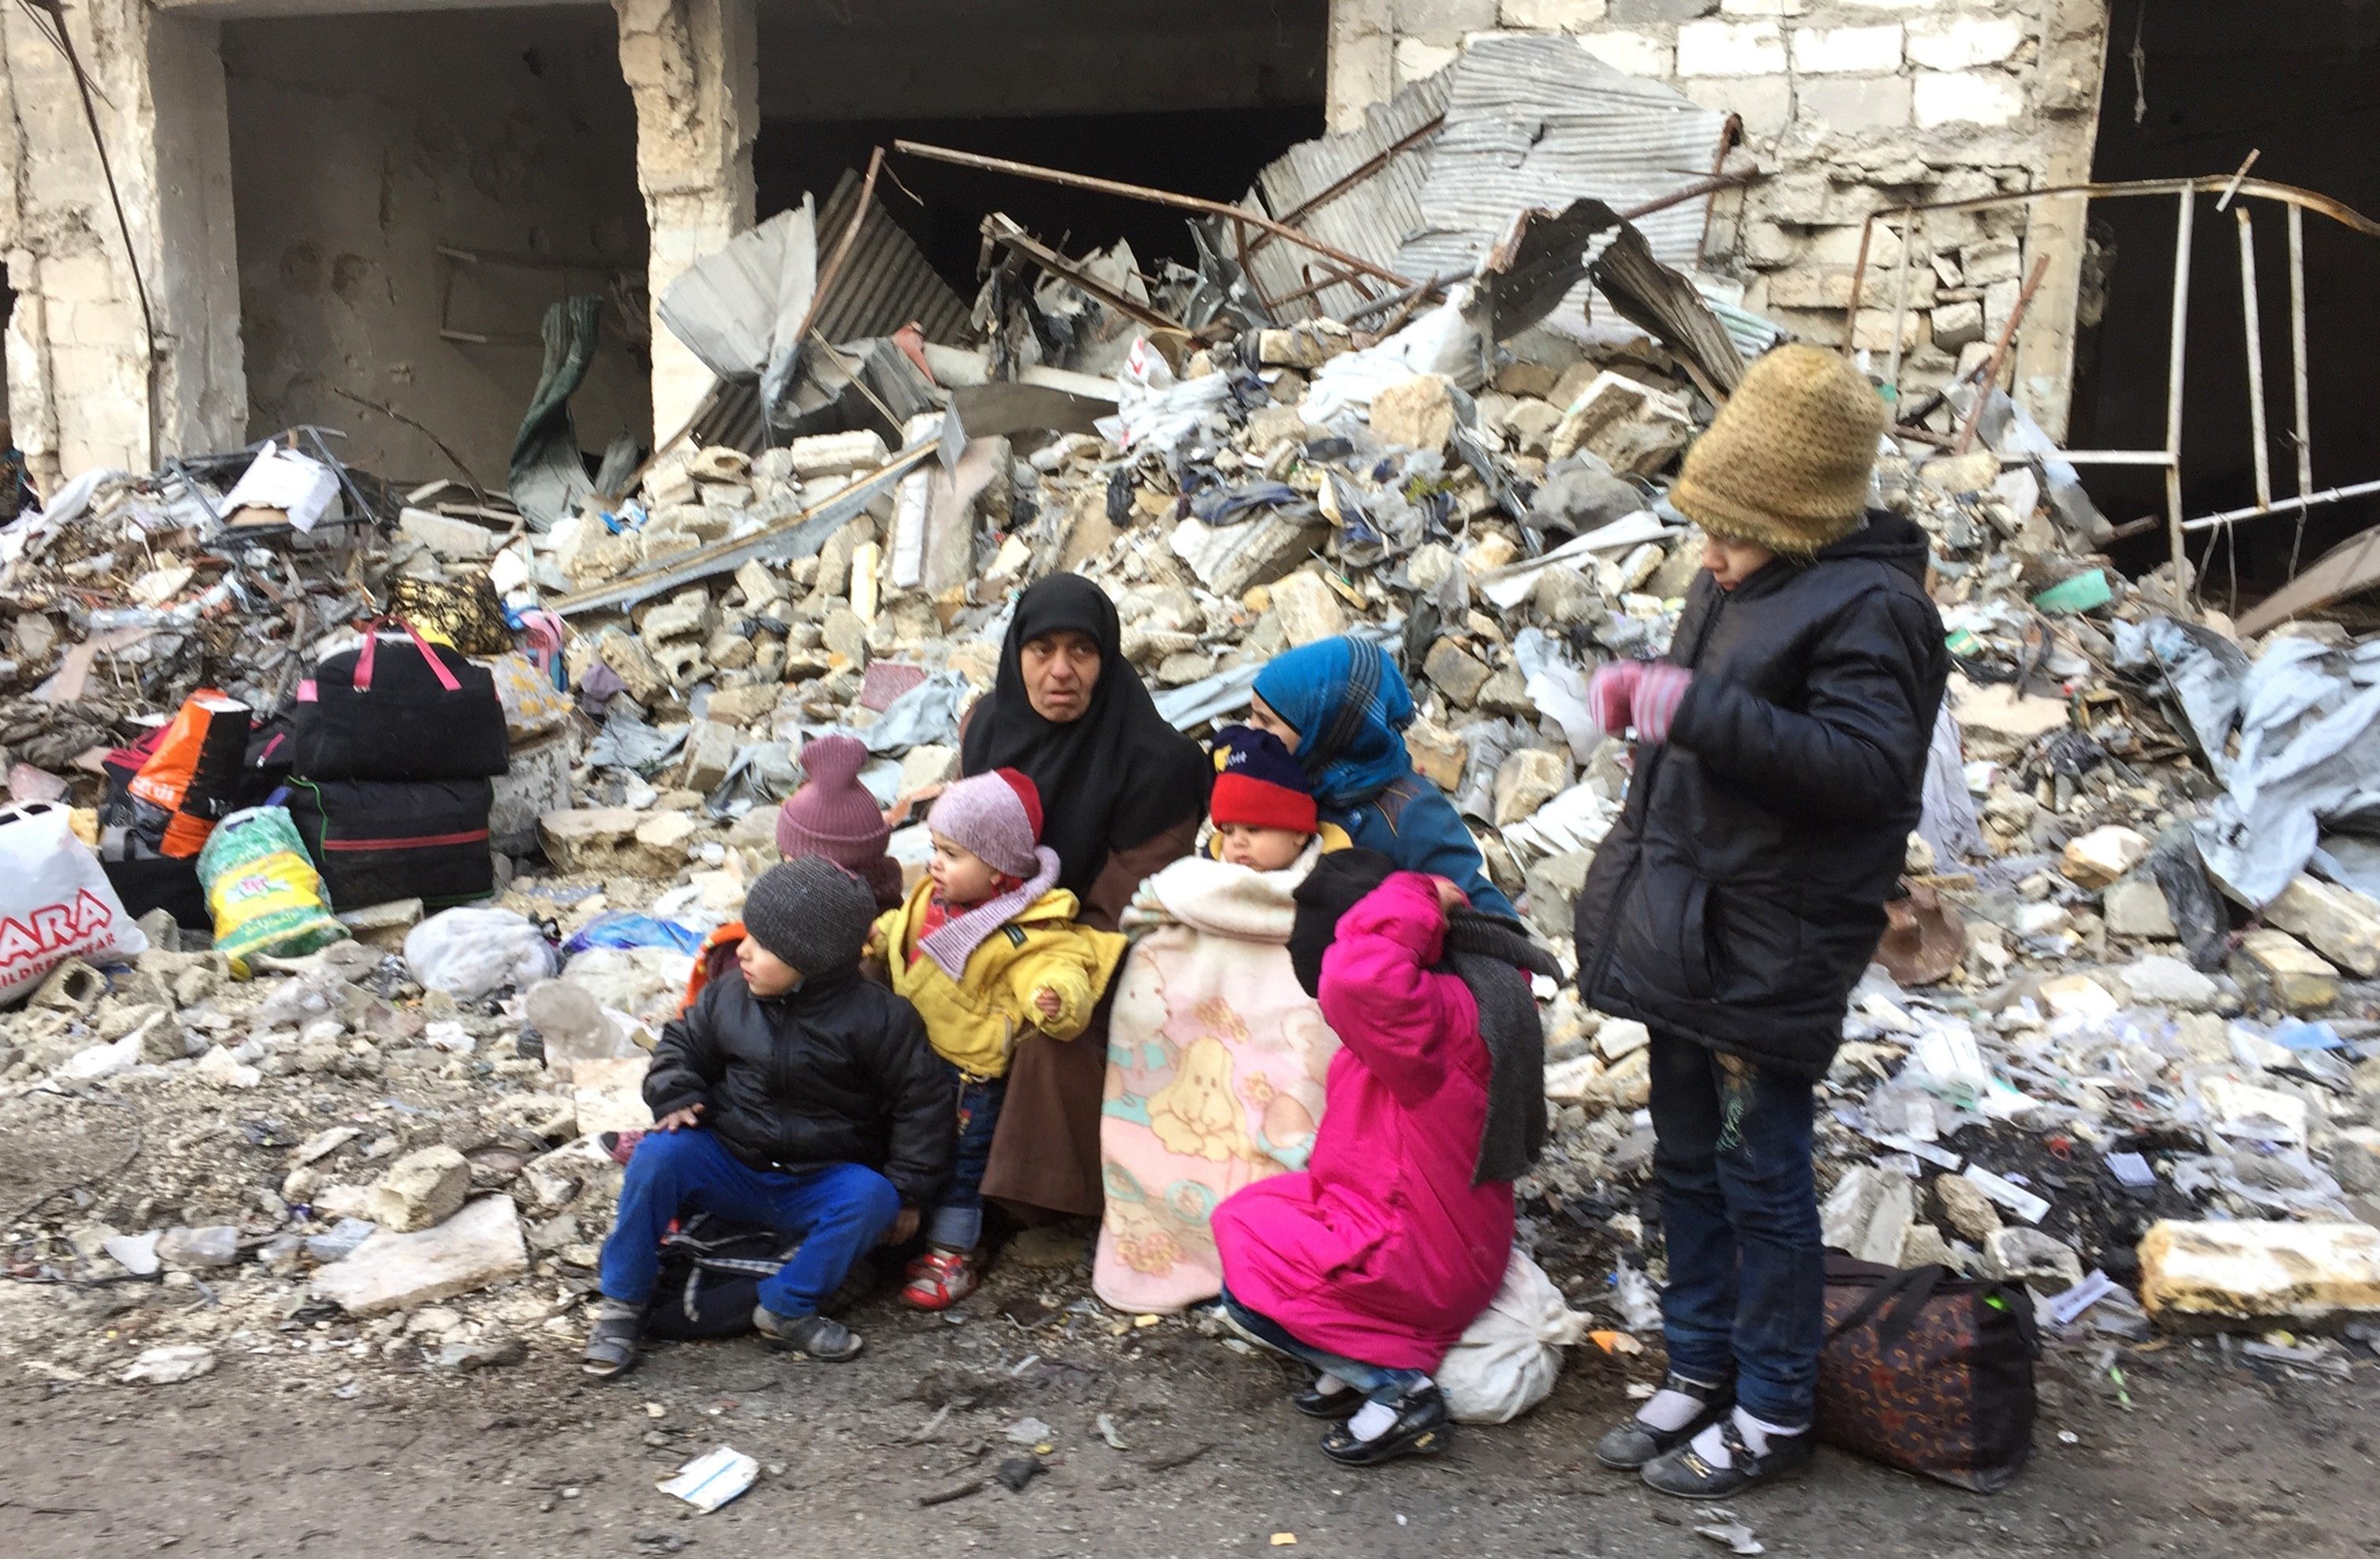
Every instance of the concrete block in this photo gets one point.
(538, 782)
(2260, 1273)
(1418, 414)
(1231, 559)
(1763, 8)
(1550, 16)
(446, 535)
(1527, 779)
(1854, 104)
(1967, 97)
(661, 843)
(823, 455)
(710, 754)
(1307, 608)
(2098, 857)
(741, 706)
(1635, 429)
(1955, 325)
(2168, 982)
(423, 1189)
(1764, 102)
(1441, 21)
(1439, 755)
(585, 839)
(2299, 979)
(2136, 907)
(2028, 1256)
(2340, 924)
(1634, 13)
(1730, 48)
(479, 1246)
(2355, 1159)
(1638, 53)
(1847, 51)
(1456, 671)
(1966, 1209)
(1962, 42)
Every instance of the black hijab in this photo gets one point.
(1489, 954)
(1116, 777)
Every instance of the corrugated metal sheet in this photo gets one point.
(1371, 220)
(1535, 120)
(885, 282)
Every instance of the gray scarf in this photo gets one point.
(1490, 955)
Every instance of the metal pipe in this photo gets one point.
(2115, 456)
(1859, 279)
(1900, 304)
(2175, 347)
(2290, 194)
(2253, 319)
(2297, 365)
(2285, 505)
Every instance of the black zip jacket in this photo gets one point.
(1742, 892)
(837, 1072)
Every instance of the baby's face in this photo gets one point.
(961, 876)
(1266, 849)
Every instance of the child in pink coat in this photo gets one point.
(1370, 1263)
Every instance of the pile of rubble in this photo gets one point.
(2119, 1046)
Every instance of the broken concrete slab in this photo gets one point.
(2299, 979)
(1417, 414)
(2259, 1272)
(1440, 755)
(587, 839)
(662, 841)
(423, 1189)
(1232, 559)
(1632, 427)
(1527, 779)
(2341, 924)
(710, 754)
(1308, 608)
(455, 540)
(2100, 857)
(478, 1245)
(2136, 907)
(1456, 671)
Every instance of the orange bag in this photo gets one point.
(193, 775)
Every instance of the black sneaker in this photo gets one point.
(1629, 1445)
(1337, 1405)
(611, 1345)
(1422, 1429)
(815, 1336)
(1687, 1476)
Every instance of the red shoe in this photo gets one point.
(939, 1280)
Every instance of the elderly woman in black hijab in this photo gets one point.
(1123, 794)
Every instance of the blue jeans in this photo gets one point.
(956, 1222)
(1377, 1382)
(839, 1210)
(1740, 1212)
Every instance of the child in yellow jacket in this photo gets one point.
(988, 952)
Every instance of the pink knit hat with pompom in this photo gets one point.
(835, 816)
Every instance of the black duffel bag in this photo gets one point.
(375, 841)
(398, 708)
(711, 1270)
(1927, 1371)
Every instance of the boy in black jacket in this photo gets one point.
(792, 1094)
(1779, 772)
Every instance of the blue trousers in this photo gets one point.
(956, 1222)
(1377, 1382)
(839, 1210)
(1740, 1211)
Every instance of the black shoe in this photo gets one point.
(611, 1345)
(1629, 1445)
(1337, 1405)
(1687, 1476)
(815, 1336)
(1422, 1429)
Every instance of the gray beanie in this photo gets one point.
(811, 913)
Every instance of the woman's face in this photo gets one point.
(1061, 668)
(1262, 716)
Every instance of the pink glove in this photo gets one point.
(1640, 693)
(1611, 696)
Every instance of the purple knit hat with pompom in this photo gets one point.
(835, 816)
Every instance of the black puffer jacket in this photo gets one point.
(838, 1072)
(1742, 892)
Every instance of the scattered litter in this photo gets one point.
(713, 1478)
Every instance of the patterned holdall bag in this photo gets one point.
(1928, 1372)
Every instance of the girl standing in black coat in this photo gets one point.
(1781, 750)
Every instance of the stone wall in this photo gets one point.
(1853, 106)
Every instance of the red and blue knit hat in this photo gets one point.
(1258, 784)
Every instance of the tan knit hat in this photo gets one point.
(1786, 462)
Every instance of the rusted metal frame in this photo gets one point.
(2282, 506)
(1900, 300)
(1142, 193)
(1011, 237)
(2297, 368)
(1989, 378)
(2253, 324)
(1731, 136)
(1335, 278)
(833, 267)
(1347, 181)
(2177, 345)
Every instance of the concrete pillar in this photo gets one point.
(83, 390)
(2066, 87)
(1361, 64)
(694, 69)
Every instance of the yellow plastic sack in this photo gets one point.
(266, 896)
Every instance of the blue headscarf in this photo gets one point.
(1349, 704)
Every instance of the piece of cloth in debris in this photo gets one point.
(2309, 748)
(1216, 1059)
(1110, 779)
(548, 469)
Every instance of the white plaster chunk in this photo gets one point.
(1847, 51)
(1730, 48)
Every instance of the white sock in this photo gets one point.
(1372, 1420)
(1669, 1411)
(1756, 1432)
(1327, 1385)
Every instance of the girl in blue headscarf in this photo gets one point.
(1340, 705)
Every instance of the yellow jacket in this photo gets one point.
(975, 1023)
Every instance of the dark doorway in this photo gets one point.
(2193, 87)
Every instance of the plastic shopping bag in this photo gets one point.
(470, 953)
(266, 896)
(1509, 1357)
(56, 902)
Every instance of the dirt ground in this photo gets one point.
(282, 1451)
